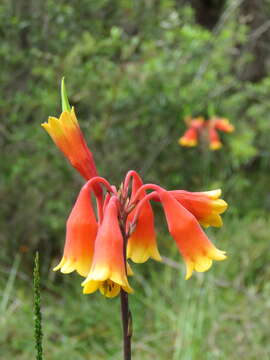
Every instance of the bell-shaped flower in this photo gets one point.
(223, 124)
(214, 141)
(108, 272)
(81, 231)
(142, 243)
(67, 136)
(193, 244)
(205, 206)
(190, 137)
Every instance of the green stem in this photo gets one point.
(125, 312)
(37, 310)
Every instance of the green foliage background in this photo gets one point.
(134, 70)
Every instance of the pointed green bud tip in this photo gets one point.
(64, 98)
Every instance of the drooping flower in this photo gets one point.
(222, 124)
(142, 243)
(199, 128)
(214, 141)
(98, 245)
(190, 137)
(108, 272)
(81, 231)
(205, 206)
(193, 244)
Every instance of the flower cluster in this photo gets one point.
(109, 226)
(198, 127)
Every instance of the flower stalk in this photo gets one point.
(109, 226)
(126, 314)
(37, 311)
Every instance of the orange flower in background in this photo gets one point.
(119, 224)
(222, 124)
(190, 137)
(108, 271)
(198, 128)
(214, 141)
(81, 231)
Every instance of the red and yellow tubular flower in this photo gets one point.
(193, 244)
(100, 238)
(198, 127)
(81, 230)
(190, 137)
(214, 141)
(222, 124)
(67, 135)
(108, 271)
(142, 243)
(205, 206)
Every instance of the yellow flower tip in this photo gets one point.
(56, 267)
(90, 286)
(212, 220)
(219, 206)
(215, 145)
(68, 267)
(154, 253)
(128, 289)
(202, 264)
(44, 125)
(59, 266)
(217, 254)
(157, 257)
(213, 194)
(188, 143)
(140, 255)
(189, 269)
(230, 127)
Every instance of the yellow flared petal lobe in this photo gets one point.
(57, 267)
(140, 254)
(155, 254)
(82, 267)
(74, 117)
(202, 264)
(212, 220)
(213, 194)
(189, 269)
(215, 145)
(187, 142)
(68, 120)
(90, 287)
(217, 254)
(68, 267)
(219, 206)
